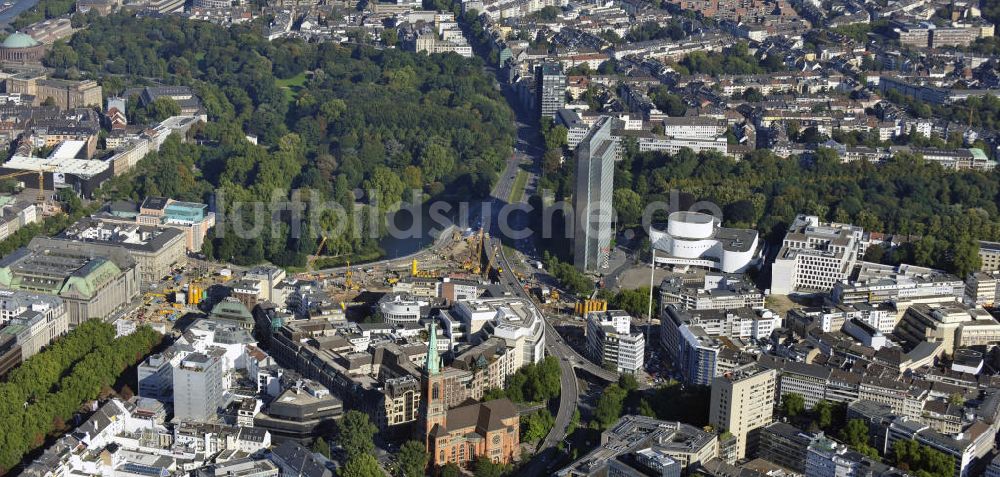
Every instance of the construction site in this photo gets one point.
(458, 255)
(467, 255)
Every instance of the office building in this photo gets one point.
(701, 343)
(594, 212)
(785, 445)
(301, 412)
(192, 218)
(826, 458)
(663, 448)
(245, 467)
(902, 285)
(295, 460)
(814, 256)
(697, 239)
(551, 89)
(65, 94)
(214, 4)
(157, 251)
(155, 376)
(197, 383)
(968, 447)
(513, 320)
(714, 292)
(94, 283)
(865, 333)
(402, 400)
(742, 401)
(830, 319)
(694, 127)
(982, 288)
(954, 325)
(612, 343)
(989, 256)
(993, 470)
(28, 322)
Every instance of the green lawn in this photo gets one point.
(294, 82)
(291, 85)
(517, 192)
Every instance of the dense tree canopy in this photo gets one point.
(905, 195)
(412, 459)
(736, 60)
(48, 388)
(328, 118)
(532, 383)
(922, 460)
(355, 434)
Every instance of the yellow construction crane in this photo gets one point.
(312, 259)
(348, 282)
(41, 180)
(474, 262)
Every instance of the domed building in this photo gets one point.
(21, 48)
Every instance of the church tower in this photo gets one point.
(433, 411)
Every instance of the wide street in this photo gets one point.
(526, 157)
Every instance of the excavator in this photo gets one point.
(474, 262)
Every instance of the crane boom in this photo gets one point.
(41, 181)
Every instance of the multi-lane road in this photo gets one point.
(569, 359)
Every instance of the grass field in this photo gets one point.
(517, 191)
(291, 85)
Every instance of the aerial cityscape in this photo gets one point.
(487, 238)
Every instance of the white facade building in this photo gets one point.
(512, 319)
(815, 256)
(398, 311)
(611, 341)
